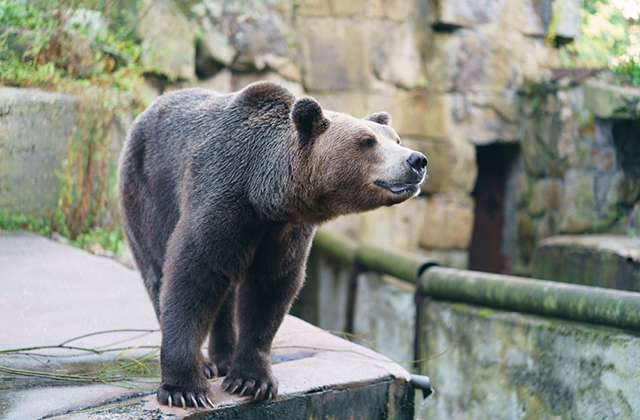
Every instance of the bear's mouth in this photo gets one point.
(399, 188)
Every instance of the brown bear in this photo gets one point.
(221, 196)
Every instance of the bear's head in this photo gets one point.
(353, 165)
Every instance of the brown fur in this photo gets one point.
(221, 196)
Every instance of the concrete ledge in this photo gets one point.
(594, 260)
(53, 292)
(606, 100)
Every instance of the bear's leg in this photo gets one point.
(192, 294)
(224, 336)
(272, 283)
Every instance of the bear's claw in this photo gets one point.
(174, 396)
(210, 370)
(261, 389)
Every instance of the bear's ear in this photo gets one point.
(380, 118)
(308, 119)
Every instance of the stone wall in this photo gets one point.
(503, 365)
(448, 71)
(579, 171)
(35, 130)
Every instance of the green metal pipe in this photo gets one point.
(578, 303)
(400, 264)
(338, 247)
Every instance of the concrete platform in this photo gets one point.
(53, 293)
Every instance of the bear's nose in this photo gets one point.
(417, 161)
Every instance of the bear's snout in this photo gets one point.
(418, 162)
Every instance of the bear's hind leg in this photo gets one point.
(223, 337)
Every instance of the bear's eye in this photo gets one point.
(368, 142)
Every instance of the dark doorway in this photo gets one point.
(495, 163)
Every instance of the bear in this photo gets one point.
(220, 196)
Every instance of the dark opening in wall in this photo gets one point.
(626, 137)
(496, 163)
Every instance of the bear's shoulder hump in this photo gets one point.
(265, 94)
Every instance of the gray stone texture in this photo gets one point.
(35, 131)
(335, 54)
(606, 100)
(384, 316)
(167, 40)
(593, 260)
(503, 365)
(579, 173)
(394, 52)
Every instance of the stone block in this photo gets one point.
(335, 54)
(348, 8)
(384, 315)
(420, 113)
(466, 12)
(526, 235)
(485, 58)
(394, 227)
(533, 153)
(491, 364)
(357, 104)
(35, 131)
(578, 214)
(220, 82)
(215, 44)
(568, 15)
(448, 222)
(398, 226)
(395, 57)
(452, 165)
(555, 195)
(259, 35)
(537, 203)
(591, 260)
(605, 100)
(393, 9)
(313, 7)
(167, 40)
(524, 187)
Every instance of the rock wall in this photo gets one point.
(580, 160)
(503, 365)
(448, 71)
(35, 130)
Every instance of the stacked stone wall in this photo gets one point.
(578, 174)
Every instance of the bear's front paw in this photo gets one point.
(258, 387)
(176, 396)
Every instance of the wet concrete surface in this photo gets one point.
(52, 293)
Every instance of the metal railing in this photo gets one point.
(594, 305)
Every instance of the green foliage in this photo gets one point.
(109, 240)
(86, 48)
(21, 221)
(607, 40)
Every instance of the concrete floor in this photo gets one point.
(52, 293)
